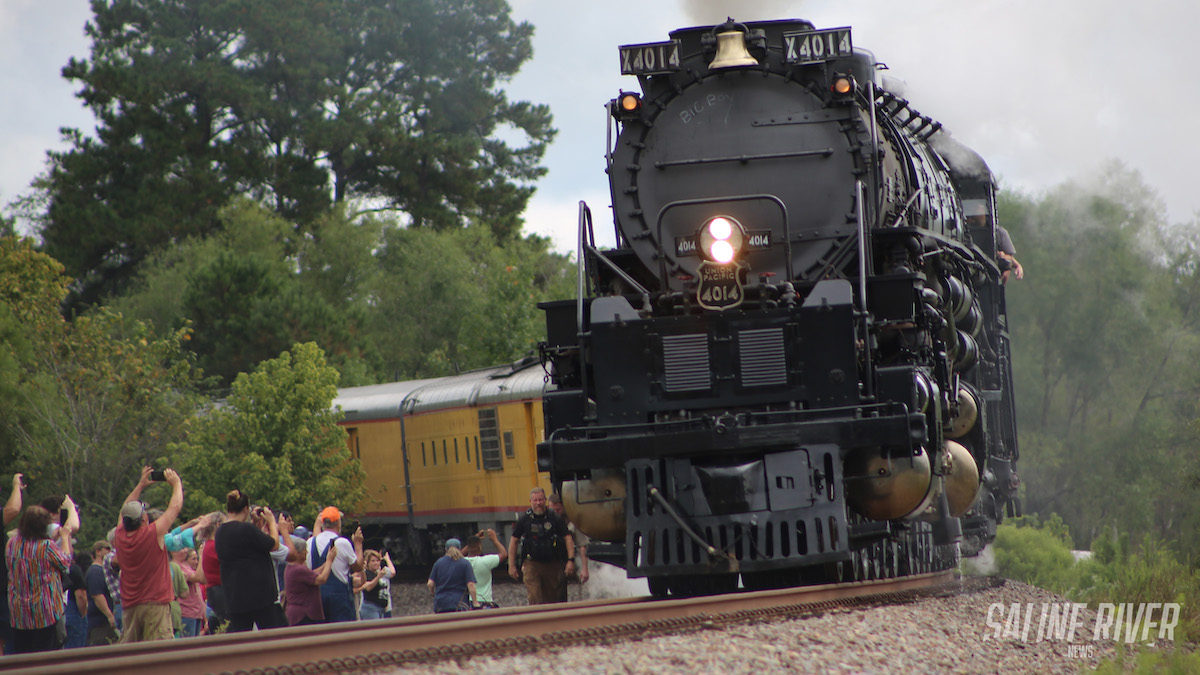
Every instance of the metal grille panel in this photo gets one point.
(685, 363)
(762, 357)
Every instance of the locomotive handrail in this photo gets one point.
(743, 158)
(585, 226)
(595, 253)
(589, 247)
(787, 227)
(868, 389)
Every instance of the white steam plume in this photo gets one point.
(705, 12)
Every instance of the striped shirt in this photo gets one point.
(35, 586)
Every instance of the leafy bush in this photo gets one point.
(1037, 554)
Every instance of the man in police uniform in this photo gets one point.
(547, 550)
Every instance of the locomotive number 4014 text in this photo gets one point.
(650, 58)
(819, 45)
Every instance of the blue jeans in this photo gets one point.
(76, 626)
(370, 610)
(191, 627)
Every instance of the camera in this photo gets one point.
(158, 475)
(62, 516)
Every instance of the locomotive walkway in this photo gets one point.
(350, 647)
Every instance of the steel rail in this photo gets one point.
(347, 647)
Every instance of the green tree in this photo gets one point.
(259, 286)
(103, 403)
(455, 300)
(1106, 355)
(31, 287)
(277, 438)
(87, 399)
(300, 105)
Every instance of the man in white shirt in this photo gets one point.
(337, 596)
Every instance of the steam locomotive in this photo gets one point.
(794, 365)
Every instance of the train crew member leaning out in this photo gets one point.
(547, 550)
(977, 216)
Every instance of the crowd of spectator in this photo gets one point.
(235, 570)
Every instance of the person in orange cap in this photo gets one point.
(337, 596)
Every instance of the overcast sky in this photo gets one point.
(1045, 90)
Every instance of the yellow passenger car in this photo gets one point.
(445, 457)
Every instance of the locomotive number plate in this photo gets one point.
(650, 58)
(719, 286)
(817, 45)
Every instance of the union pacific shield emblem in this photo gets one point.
(719, 286)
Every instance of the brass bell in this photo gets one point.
(732, 52)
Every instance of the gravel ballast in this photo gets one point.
(933, 634)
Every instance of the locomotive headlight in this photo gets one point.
(721, 239)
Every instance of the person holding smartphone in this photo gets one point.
(12, 509)
(36, 566)
(146, 590)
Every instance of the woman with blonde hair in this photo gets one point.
(452, 581)
(216, 613)
(374, 583)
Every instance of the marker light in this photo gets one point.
(630, 102)
(721, 239)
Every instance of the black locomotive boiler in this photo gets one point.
(793, 367)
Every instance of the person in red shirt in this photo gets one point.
(216, 614)
(146, 590)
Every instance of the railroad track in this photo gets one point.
(350, 647)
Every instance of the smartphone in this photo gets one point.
(62, 516)
(158, 475)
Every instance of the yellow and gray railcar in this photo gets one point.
(445, 457)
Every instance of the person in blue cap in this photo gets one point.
(452, 581)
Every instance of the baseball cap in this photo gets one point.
(301, 532)
(331, 513)
(453, 543)
(133, 510)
